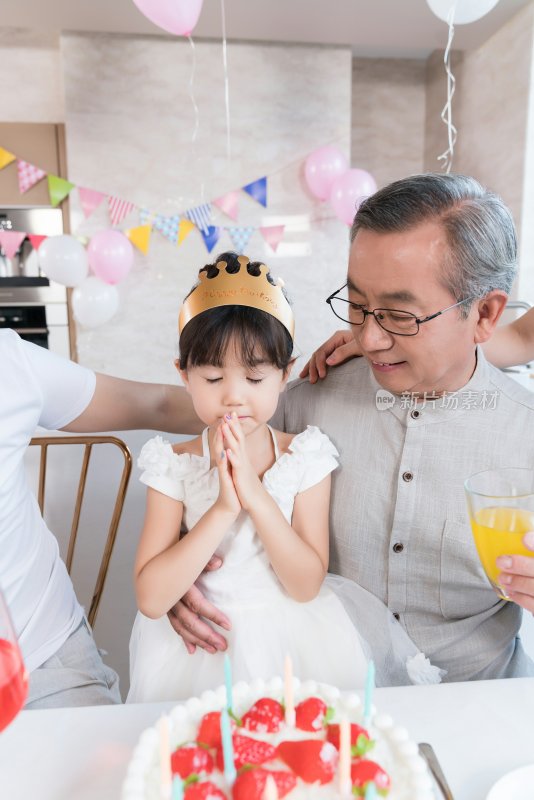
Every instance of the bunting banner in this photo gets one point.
(228, 204)
(211, 237)
(36, 240)
(257, 190)
(175, 228)
(140, 237)
(118, 209)
(10, 241)
(185, 228)
(28, 175)
(240, 237)
(58, 189)
(89, 200)
(6, 158)
(167, 226)
(273, 235)
(201, 216)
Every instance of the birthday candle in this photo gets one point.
(165, 759)
(369, 687)
(289, 700)
(345, 783)
(370, 791)
(177, 788)
(228, 748)
(270, 791)
(228, 681)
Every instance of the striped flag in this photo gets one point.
(118, 209)
(201, 216)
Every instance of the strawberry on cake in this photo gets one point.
(301, 760)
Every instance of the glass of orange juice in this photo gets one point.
(501, 511)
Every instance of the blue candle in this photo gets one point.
(370, 791)
(177, 788)
(228, 681)
(369, 688)
(228, 748)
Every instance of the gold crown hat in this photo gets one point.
(238, 289)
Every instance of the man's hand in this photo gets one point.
(339, 348)
(517, 577)
(186, 618)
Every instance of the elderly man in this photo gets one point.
(432, 262)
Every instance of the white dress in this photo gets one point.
(267, 624)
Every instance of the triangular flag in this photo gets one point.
(184, 229)
(6, 158)
(36, 240)
(257, 190)
(201, 216)
(167, 226)
(58, 189)
(118, 209)
(240, 237)
(28, 175)
(228, 203)
(211, 237)
(10, 241)
(140, 237)
(89, 200)
(273, 235)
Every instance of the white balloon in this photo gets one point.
(466, 10)
(64, 260)
(94, 302)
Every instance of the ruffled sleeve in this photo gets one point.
(317, 455)
(165, 470)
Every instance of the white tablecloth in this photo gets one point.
(480, 731)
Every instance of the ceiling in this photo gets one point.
(373, 28)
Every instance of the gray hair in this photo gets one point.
(479, 227)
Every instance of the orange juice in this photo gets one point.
(499, 532)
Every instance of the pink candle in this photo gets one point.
(165, 759)
(345, 784)
(289, 698)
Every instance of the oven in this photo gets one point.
(30, 304)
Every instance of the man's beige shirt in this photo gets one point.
(399, 524)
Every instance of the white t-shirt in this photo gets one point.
(36, 388)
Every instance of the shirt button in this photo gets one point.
(398, 547)
(397, 616)
(415, 414)
(407, 476)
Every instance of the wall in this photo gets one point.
(492, 107)
(388, 117)
(129, 132)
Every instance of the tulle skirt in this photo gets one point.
(330, 639)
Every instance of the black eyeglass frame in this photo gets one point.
(373, 313)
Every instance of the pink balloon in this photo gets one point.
(174, 16)
(321, 169)
(348, 191)
(110, 256)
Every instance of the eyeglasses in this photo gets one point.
(399, 323)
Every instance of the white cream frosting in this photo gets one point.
(393, 750)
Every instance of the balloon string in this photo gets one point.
(446, 114)
(191, 92)
(226, 84)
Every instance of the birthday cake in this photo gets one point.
(273, 759)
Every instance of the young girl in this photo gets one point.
(259, 499)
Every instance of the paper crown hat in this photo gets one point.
(237, 289)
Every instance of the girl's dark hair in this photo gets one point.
(258, 336)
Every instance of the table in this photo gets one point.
(480, 731)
